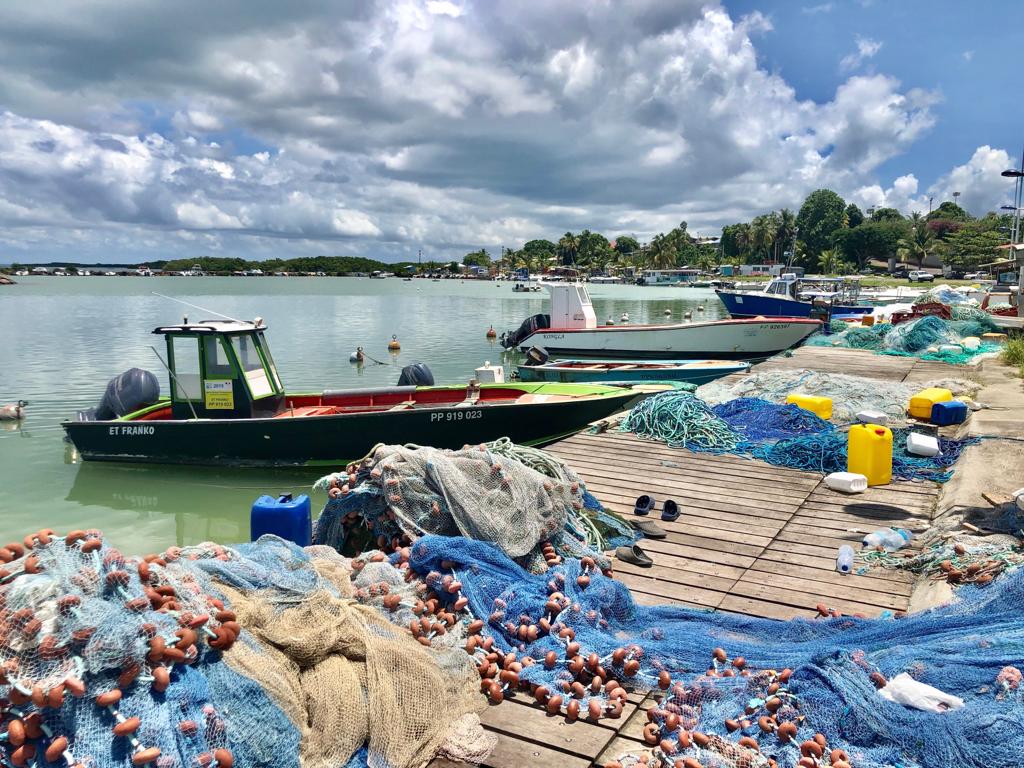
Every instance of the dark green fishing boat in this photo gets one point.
(228, 407)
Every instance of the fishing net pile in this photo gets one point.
(740, 691)
(516, 497)
(930, 337)
(944, 294)
(257, 655)
(783, 435)
(849, 394)
(978, 562)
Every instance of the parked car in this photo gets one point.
(976, 276)
(920, 276)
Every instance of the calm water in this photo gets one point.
(64, 338)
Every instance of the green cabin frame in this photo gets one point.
(221, 369)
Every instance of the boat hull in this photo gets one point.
(333, 439)
(695, 375)
(746, 305)
(718, 340)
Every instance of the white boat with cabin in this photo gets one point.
(571, 329)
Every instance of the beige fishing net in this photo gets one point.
(345, 676)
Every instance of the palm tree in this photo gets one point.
(568, 248)
(830, 262)
(762, 234)
(663, 252)
(785, 233)
(918, 243)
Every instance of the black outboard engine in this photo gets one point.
(416, 375)
(126, 392)
(511, 340)
(536, 356)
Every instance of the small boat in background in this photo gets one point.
(571, 328)
(619, 371)
(792, 296)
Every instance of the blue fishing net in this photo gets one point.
(826, 452)
(825, 670)
(783, 435)
(760, 420)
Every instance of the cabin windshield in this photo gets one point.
(271, 365)
(584, 297)
(255, 372)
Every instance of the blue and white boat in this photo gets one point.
(631, 371)
(792, 296)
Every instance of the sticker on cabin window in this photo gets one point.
(219, 395)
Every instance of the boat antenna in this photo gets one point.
(196, 306)
(177, 383)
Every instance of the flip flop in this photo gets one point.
(644, 505)
(669, 511)
(650, 529)
(634, 555)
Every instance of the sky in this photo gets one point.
(261, 129)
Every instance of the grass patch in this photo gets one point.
(1014, 354)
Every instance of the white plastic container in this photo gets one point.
(891, 539)
(970, 343)
(872, 417)
(1018, 498)
(922, 445)
(952, 349)
(847, 482)
(490, 374)
(844, 561)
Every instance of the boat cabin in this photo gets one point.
(571, 306)
(221, 369)
(789, 286)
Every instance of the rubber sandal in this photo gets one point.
(634, 555)
(669, 511)
(650, 529)
(644, 505)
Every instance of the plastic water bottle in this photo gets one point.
(889, 539)
(844, 563)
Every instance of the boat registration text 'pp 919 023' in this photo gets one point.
(455, 415)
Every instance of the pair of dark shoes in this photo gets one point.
(644, 505)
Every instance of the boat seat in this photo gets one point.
(403, 406)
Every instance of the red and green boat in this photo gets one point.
(227, 406)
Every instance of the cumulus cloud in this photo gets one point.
(866, 49)
(391, 126)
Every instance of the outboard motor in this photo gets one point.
(126, 392)
(416, 375)
(511, 340)
(536, 356)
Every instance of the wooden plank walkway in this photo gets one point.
(751, 539)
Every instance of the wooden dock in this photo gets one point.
(751, 538)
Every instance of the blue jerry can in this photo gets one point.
(289, 518)
(949, 412)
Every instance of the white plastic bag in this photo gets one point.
(905, 690)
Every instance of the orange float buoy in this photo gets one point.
(393, 345)
(491, 333)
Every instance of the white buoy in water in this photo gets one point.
(609, 321)
(357, 356)
(624, 318)
(687, 315)
(700, 307)
(667, 312)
